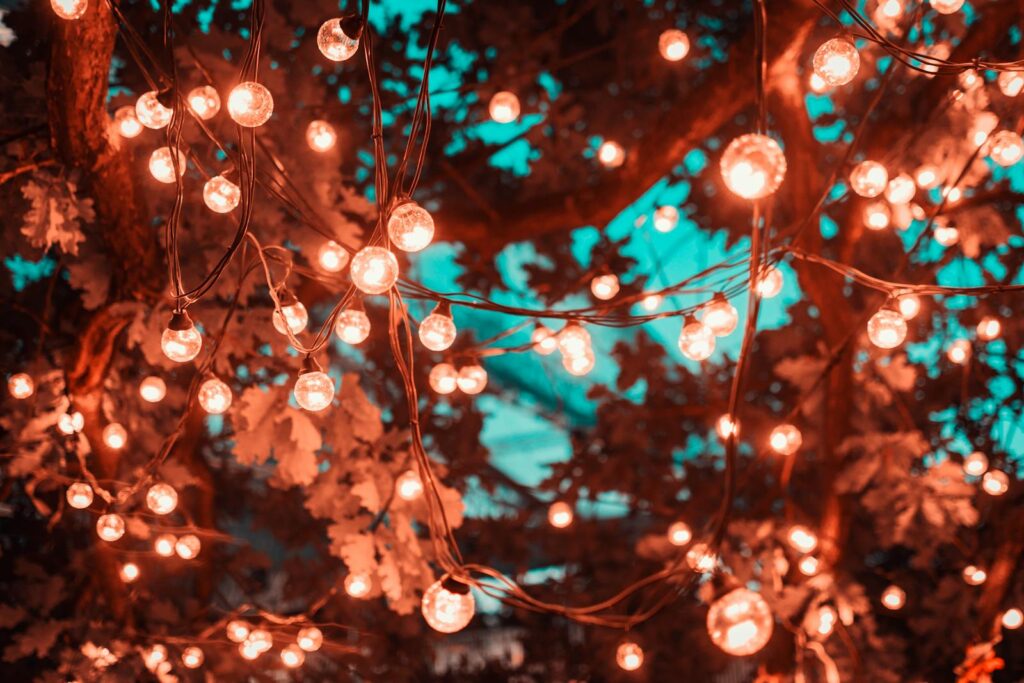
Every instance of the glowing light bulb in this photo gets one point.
(560, 514)
(700, 558)
(334, 43)
(719, 316)
(21, 385)
(374, 270)
(237, 631)
(1006, 148)
(927, 177)
(824, 621)
(816, 83)
(696, 340)
(115, 435)
(901, 189)
(357, 585)
(472, 379)
(292, 656)
(946, 235)
(544, 341)
(970, 79)
(579, 365)
(110, 527)
(126, 123)
(71, 423)
(181, 341)
(604, 287)
(877, 215)
(786, 439)
(448, 606)
(151, 113)
(292, 317)
(408, 486)
(161, 165)
(629, 656)
(192, 657)
(187, 547)
(248, 650)
(444, 378)
(214, 396)
(163, 545)
(679, 534)
(753, 166)
(221, 195)
(504, 107)
(162, 499)
(887, 329)
(666, 218)
(890, 9)
(573, 340)
(153, 389)
(808, 565)
(321, 136)
(309, 639)
(740, 622)
(946, 6)
(69, 9)
(975, 464)
(154, 656)
(352, 326)
(869, 179)
(314, 390)
(129, 572)
(959, 351)
(995, 482)
(989, 328)
(410, 227)
(1010, 83)
(894, 597)
(769, 285)
(651, 302)
(332, 257)
(79, 495)
(727, 426)
(974, 576)
(909, 305)
(1012, 618)
(437, 331)
(802, 539)
(204, 102)
(611, 154)
(673, 45)
(260, 639)
(250, 104)
(836, 61)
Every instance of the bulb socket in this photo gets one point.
(286, 297)
(309, 364)
(166, 97)
(180, 321)
(442, 308)
(352, 25)
(453, 586)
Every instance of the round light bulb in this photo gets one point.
(816, 83)
(69, 9)
(544, 341)
(161, 165)
(727, 426)
(446, 608)
(188, 546)
(162, 499)
(989, 328)
(573, 340)
(1012, 618)
(719, 316)
(79, 495)
(249, 651)
(700, 558)
(309, 639)
(651, 302)
(927, 177)
(408, 486)
(153, 389)
(215, 396)
(204, 101)
(352, 326)
(604, 287)
(975, 464)
(437, 331)
(321, 136)
(292, 317)
(894, 597)
(959, 351)
(21, 385)
(808, 565)
(314, 390)
(504, 107)
(666, 218)
(629, 656)
(374, 270)
(1010, 83)
(673, 45)
(163, 545)
(154, 656)
(260, 639)
(890, 9)
(127, 123)
(909, 305)
(129, 572)
(753, 166)
(237, 631)
(946, 235)
(679, 534)
(332, 257)
(334, 43)
(444, 378)
(181, 341)
(877, 215)
(410, 227)
(696, 340)
(974, 576)
(560, 514)
(869, 179)
(802, 539)
(221, 195)
(115, 435)
(946, 6)
(995, 482)
(786, 439)
(836, 61)
(579, 365)
(110, 527)
(250, 104)
(357, 585)
(901, 189)
(740, 622)
(887, 329)
(472, 379)
(151, 113)
(1006, 148)
(292, 656)
(611, 154)
(192, 657)
(71, 423)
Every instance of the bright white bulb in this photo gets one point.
(504, 107)
(444, 378)
(374, 270)
(727, 426)
(187, 547)
(181, 341)
(163, 545)
(877, 215)
(115, 435)
(579, 365)
(204, 102)
(292, 317)
(894, 597)
(560, 515)
(946, 6)
(975, 464)
(152, 389)
(604, 287)
(71, 423)
(292, 656)
(162, 499)
(887, 329)
(700, 558)
(786, 439)
(679, 534)
(314, 390)
(666, 218)
(237, 631)
(410, 227)
(358, 585)
(214, 396)
(110, 527)
(629, 656)
(448, 606)
(611, 154)
(836, 61)
(673, 45)
(869, 179)
(161, 165)
(719, 316)
(352, 326)
(21, 385)
(221, 195)
(129, 572)
(573, 340)
(696, 340)
(909, 305)
(250, 104)
(309, 639)
(1010, 82)
(544, 341)
(334, 43)
(995, 482)
(79, 495)
(437, 331)
(802, 539)
(1006, 148)
(769, 285)
(974, 576)
(332, 257)
(192, 657)
(740, 622)
(901, 189)
(472, 379)
(1012, 618)
(151, 113)
(959, 351)
(321, 136)
(127, 123)
(989, 328)
(409, 486)
(69, 9)
(753, 166)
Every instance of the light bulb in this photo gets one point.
(877, 215)
(437, 331)
(332, 257)
(192, 657)
(808, 565)
(900, 189)
(927, 177)
(740, 622)
(890, 9)
(448, 606)
(909, 305)
(786, 439)
(248, 650)
(1012, 618)
(408, 486)
(974, 576)
(221, 195)
(544, 340)
(314, 390)
(651, 302)
(129, 572)
(1006, 148)
(21, 385)
(292, 317)
(472, 379)
(154, 656)
(260, 639)
(69, 9)
(161, 165)
(816, 83)
(959, 351)
(352, 326)
(802, 539)
(573, 340)
(115, 435)
(604, 287)
(887, 329)
(110, 527)
(153, 389)
(79, 495)
(237, 631)
(321, 136)
(71, 423)
(250, 104)
(309, 639)
(163, 545)
(995, 483)
(126, 123)
(214, 396)
(374, 270)
(611, 154)
(673, 44)
(946, 6)
(719, 316)
(836, 61)
(162, 499)
(700, 558)
(579, 365)
(666, 218)
(975, 464)
(1010, 82)
(443, 378)
(504, 107)
(151, 113)
(946, 235)
(696, 340)
(292, 656)
(989, 328)
(629, 656)
(753, 166)
(357, 585)
(894, 597)
(970, 79)
(188, 546)
(869, 179)
(560, 514)
(204, 102)
(679, 534)
(334, 43)
(410, 227)
(181, 341)
(727, 426)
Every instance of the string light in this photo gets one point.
(740, 622)
(334, 42)
(260, 640)
(786, 439)
(204, 102)
(162, 499)
(753, 166)
(604, 287)
(611, 154)
(374, 270)
(946, 6)
(816, 83)
(927, 177)
(79, 495)
(901, 189)
(836, 61)
(802, 539)
(69, 9)
(188, 546)
(679, 533)
(332, 257)
(192, 657)
(293, 316)
(472, 379)
(314, 389)
(560, 514)
(974, 576)
(727, 426)
(970, 79)
(115, 435)
(651, 302)
(181, 341)
(163, 545)
(894, 597)
(1012, 618)
(891, 9)
(946, 235)
(673, 45)
(353, 325)
(975, 464)
(154, 656)
(869, 179)
(989, 328)
(153, 389)
(825, 619)
(71, 423)
(808, 565)
(443, 378)
(995, 482)
(126, 123)
(719, 316)
(1006, 148)
(309, 639)
(887, 328)
(696, 340)
(448, 606)
(573, 340)
(110, 527)
(909, 306)
(250, 104)
(579, 365)
(214, 396)
(249, 650)
(221, 195)
(408, 486)
(769, 285)
(504, 107)
(629, 656)
(959, 351)
(21, 385)
(161, 165)
(321, 136)
(150, 112)
(237, 631)
(544, 341)
(1010, 83)
(666, 218)
(357, 585)
(700, 558)
(437, 331)
(877, 215)
(292, 656)
(129, 572)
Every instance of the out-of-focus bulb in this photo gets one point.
(869, 179)
(901, 189)
(719, 316)
(629, 656)
(504, 107)
(560, 514)
(579, 365)
(727, 426)
(154, 656)
(292, 317)
(890, 9)
(802, 539)
(989, 328)
(472, 379)
(221, 195)
(115, 435)
(666, 218)
(21, 385)
(909, 305)
(408, 486)
(448, 606)
(946, 6)
(740, 622)
(162, 499)
(352, 326)
(192, 657)
(260, 639)
(1011, 82)
(816, 83)
(573, 340)
(163, 545)
(237, 631)
(314, 390)
(153, 389)
(250, 104)
(611, 154)
(975, 464)
(974, 576)
(808, 565)
(927, 177)
(887, 329)
(127, 123)
(836, 61)
(437, 331)
(374, 270)
(214, 396)
(604, 287)
(79, 495)
(544, 341)
(877, 216)
(679, 533)
(1012, 618)
(357, 585)
(309, 639)
(69, 9)
(970, 79)
(786, 439)
(332, 257)
(753, 166)
(71, 422)
(651, 302)
(181, 341)
(673, 45)
(894, 597)
(770, 283)
(959, 351)
(444, 378)
(161, 165)
(204, 102)
(700, 558)
(334, 43)
(129, 572)
(1006, 148)
(110, 527)
(946, 235)
(292, 656)
(995, 482)
(248, 650)
(187, 547)
(321, 136)
(696, 340)
(150, 112)
(410, 227)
